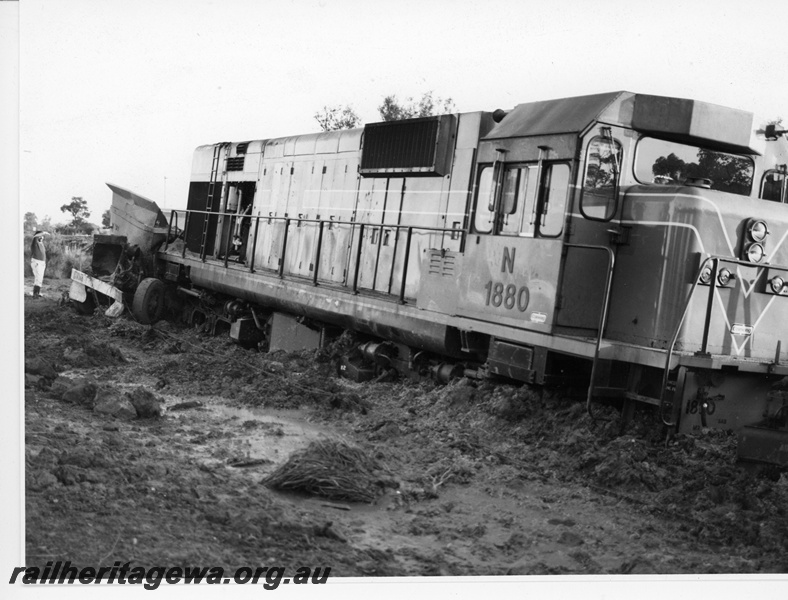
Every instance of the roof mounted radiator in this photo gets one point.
(409, 147)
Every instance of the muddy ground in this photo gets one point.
(479, 479)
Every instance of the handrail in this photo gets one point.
(602, 317)
(715, 260)
(331, 221)
(357, 230)
(174, 217)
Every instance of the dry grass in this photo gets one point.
(333, 469)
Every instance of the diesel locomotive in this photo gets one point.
(631, 242)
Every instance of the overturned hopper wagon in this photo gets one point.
(123, 259)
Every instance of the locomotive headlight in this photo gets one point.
(705, 275)
(755, 253)
(758, 230)
(724, 276)
(777, 284)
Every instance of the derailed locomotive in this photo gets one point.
(634, 242)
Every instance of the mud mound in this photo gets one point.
(334, 469)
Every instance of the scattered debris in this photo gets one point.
(336, 506)
(120, 408)
(186, 405)
(39, 366)
(82, 392)
(147, 405)
(253, 462)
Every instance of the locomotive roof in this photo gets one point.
(679, 119)
(545, 117)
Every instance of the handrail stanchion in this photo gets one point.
(284, 250)
(674, 338)
(709, 305)
(226, 244)
(254, 243)
(185, 230)
(405, 266)
(173, 215)
(317, 252)
(204, 239)
(358, 258)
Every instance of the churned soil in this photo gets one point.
(156, 445)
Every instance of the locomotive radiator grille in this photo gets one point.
(418, 146)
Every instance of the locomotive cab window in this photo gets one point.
(600, 185)
(671, 163)
(556, 190)
(772, 186)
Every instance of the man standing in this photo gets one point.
(38, 261)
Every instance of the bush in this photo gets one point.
(64, 252)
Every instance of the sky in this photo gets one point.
(123, 91)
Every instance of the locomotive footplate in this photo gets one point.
(721, 400)
(764, 443)
(767, 440)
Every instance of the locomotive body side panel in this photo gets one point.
(510, 281)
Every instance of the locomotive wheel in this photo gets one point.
(148, 304)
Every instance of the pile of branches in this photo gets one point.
(333, 469)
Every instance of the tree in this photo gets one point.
(728, 173)
(106, 220)
(31, 221)
(78, 207)
(332, 118)
(731, 173)
(669, 166)
(394, 110)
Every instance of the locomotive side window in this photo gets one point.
(556, 188)
(483, 219)
(519, 193)
(671, 163)
(772, 186)
(512, 208)
(511, 179)
(600, 186)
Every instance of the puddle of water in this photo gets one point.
(275, 438)
(244, 434)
